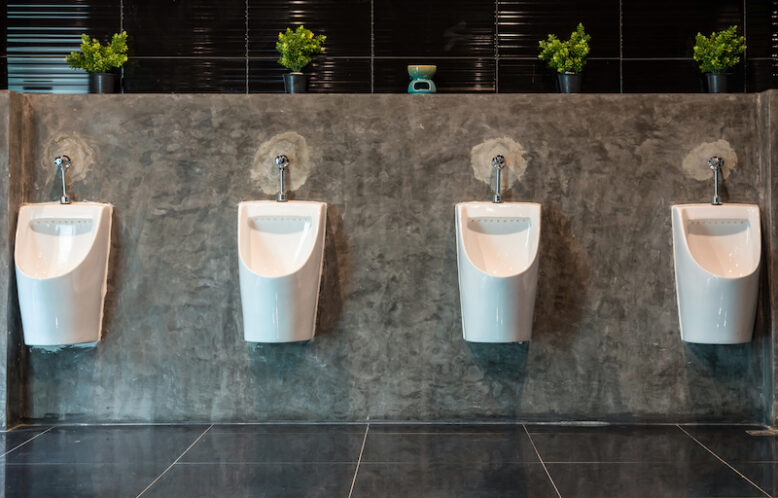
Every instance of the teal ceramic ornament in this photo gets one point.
(421, 79)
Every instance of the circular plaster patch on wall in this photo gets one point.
(695, 164)
(264, 172)
(515, 165)
(81, 153)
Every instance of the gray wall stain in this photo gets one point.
(695, 164)
(264, 172)
(606, 343)
(515, 164)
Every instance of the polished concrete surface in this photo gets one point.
(386, 460)
(605, 344)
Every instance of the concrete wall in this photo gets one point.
(606, 342)
(12, 183)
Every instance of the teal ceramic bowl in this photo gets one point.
(422, 71)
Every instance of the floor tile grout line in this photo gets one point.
(359, 461)
(27, 441)
(537, 453)
(724, 462)
(175, 461)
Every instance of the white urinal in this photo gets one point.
(281, 251)
(717, 253)
(497, 256)
(61, 271)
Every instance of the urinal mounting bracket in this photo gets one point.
(282, 162)
(716, 163)
(498, 163)
(63, 162)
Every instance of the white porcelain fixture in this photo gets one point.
(61, 271)
(281, 251)
(497, 256)
(717, 253)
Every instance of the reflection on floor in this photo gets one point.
(380, 460)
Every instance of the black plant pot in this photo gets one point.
(717, 82)
(570, 82)
(102, 83)
(295, 82)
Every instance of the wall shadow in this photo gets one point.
(114, 273)
(336, 273)
(562, 280)
(504, 367)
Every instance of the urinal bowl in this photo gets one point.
(497, 249)
(281, 252)
(717, 253)
(61, 259)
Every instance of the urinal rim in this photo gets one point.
(687, 249)
(104, 206)
(322, 208)
(459, 208)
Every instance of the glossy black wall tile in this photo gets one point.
(661, 76)
(527, 76)
(760, 75)
(328, 75)
(185, 75)
(444, 28)
(479, 46)
(3, 51)
(41, 34)
(522, 24)
(524, 76)
(453, 75)
(345, 23)
(761, 21)
(666, 28)
(205, 28)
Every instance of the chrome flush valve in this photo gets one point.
(63, 162)
(282, 162)
(498, 162)
(716, 163)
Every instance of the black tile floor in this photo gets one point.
(389, 460)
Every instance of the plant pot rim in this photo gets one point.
(570, 72)
(296, 72)
(720, 74)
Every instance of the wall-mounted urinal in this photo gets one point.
(717, 251)
(61, 259)
(497, 256)
(281, 253)
(281, 249)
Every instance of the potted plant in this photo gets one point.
(98, 60)
(297, 49)
(567, 57)
(716, 54)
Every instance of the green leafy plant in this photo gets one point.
(97, 58)
(298, 47)
(566, 56)
(719, 51)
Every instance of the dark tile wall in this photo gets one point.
(479, 46)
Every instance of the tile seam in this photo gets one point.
(246, 36)
(27, 441)
(359, 461)
(733, 469)
(537, 453)
(621, 47)
(372, 46)
(175, 461)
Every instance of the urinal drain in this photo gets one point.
(280, 218)
(499, 220)
(729, 221)
(61, 221)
